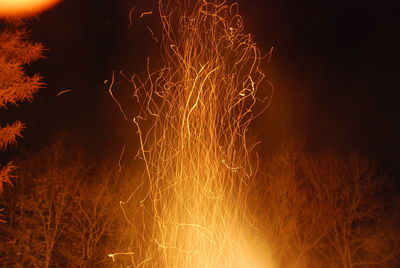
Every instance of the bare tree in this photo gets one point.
(63, 213)
(293, 221)
(91, 225)
(349, 188)
(38, 207)
(324, 210)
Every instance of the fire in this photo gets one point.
(199, 167)
(23, 8)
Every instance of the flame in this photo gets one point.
(199, 167)
(24, 8)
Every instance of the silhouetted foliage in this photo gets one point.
(16, 86)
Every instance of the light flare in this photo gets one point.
(24, 8)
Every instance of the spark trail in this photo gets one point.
(198, 161)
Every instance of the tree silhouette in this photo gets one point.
(91, 224)
(326, 209)
(38, 207)
(62, 212)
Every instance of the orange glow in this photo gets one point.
(199, 164)
(24, 8)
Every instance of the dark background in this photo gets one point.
(334, 69)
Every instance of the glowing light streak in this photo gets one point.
(113, 255)
(63, 92)
(146, 13)
(152, 34)
(120, 158)
(130, 17)
(113, 97)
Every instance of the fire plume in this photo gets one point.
(198, 160)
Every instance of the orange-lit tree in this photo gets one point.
(61, 213)
(91, 225)
(360, 234)
(15, 85)
(38, 207)
(293, 222)
(326, 210)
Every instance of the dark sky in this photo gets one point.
(334, 68)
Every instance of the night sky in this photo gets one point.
(334, 68)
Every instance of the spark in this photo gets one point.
(63, 92)
(112, 96)
(120, 158)
(152, 33)
(130, 17)
(269, 54)
(113, 255)
(146, 13)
